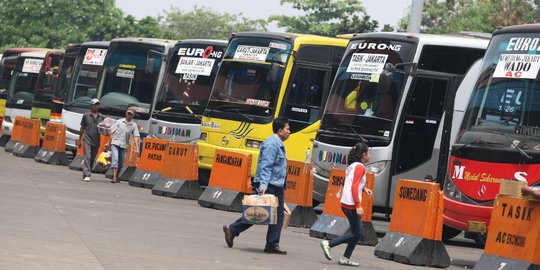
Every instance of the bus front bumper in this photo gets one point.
(320, 185)
(459, 215)
(207, 153)
(71, 141)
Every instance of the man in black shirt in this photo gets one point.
(89, 137)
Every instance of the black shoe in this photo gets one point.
(229, 237)
(275, 250)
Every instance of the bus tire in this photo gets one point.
(449, 233)
(480, 239)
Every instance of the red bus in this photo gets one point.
(500, 134)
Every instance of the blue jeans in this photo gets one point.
(274, 231)
(117, 156)
(352, 237)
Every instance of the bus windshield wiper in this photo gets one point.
(240, 113)
(111, 108)
(223, 106)
(514, 144)
(353, 130)
(231, 107)
(179, 108)
(478, 142)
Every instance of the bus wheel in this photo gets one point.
(449, 233)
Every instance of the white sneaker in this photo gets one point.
(86, 179)
(347, 262)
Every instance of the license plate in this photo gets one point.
(477, 226)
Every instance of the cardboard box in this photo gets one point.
(259, 209)
(511, 188)
(105, 126)
(286, 216)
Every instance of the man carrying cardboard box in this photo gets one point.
(269, 179)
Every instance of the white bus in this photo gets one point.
(83, 87)
(191, 69)
(130, 74)
(392, 90)
(31, 75)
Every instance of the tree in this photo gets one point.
(56, 23)
(455, 16)
(327, 18)
(202, 22)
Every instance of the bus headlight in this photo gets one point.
(253, 143)
(319, 170)
(451, 191)
(204, 136)
(376, 167)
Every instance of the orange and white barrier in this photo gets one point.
(513, 240)
(28, 146)
(299, 194)
(333, 222)
(150, 163)
(180, 174)
(415, 231)
(230, 179)
(53, 150)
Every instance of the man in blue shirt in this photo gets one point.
(269, 179)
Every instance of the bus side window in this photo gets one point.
(304, 98)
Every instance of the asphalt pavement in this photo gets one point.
(51, 219)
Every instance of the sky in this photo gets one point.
(384, 11)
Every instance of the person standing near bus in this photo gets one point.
(351, 199)
(121, 132)
(89, 138)
(269, 179)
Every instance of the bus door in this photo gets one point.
(307, 91)
(305, 98)
(416, 152)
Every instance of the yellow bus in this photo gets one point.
(262, 76)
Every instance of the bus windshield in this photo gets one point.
(130, 78)
(250, 77)
(24, 80)
(88, 72)
(47, 79)
(366, 90)
(504, 109)
(189, 78)
(66, 73)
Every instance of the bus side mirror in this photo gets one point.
(274, 71)
(385, 82)
(149, 65)
(151, 61)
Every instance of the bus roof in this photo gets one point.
(455, 40)
(99, 44)
(73, 48)
(9, 60)
(204, 41)
(522, 28)
(21, 50)
(294, 37)
(154, 41)
(39, 54)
